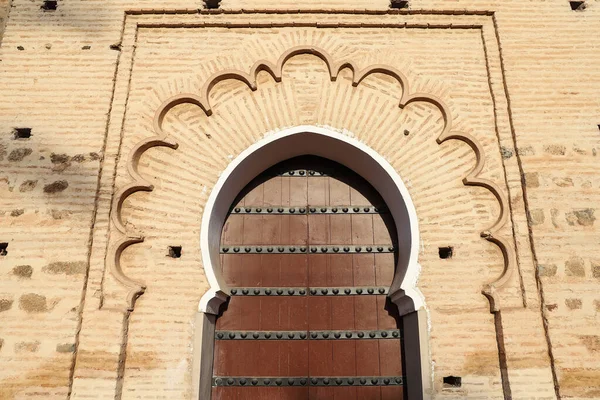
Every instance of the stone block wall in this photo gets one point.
(87, 78)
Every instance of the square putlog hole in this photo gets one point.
(399, 4)
(445, 252)
(175, 251)
(452, 381)
(577, 5)
(49, 5)
(212, 4)
(3, 247)
(22, 133)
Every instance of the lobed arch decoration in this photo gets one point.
(403, 291)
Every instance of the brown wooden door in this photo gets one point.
(308, 251)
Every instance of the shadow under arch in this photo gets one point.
(345, 150)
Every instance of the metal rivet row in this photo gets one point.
(262, 335)
(311, 335)
(335, 249)
(347, 291)
(302, 173)
(313, 291)
(265, 291)
(301, 210)
(310, 381)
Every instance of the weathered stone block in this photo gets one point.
(563, 182)
(575, 267)
(27, 347)
(65, 348)
(23, 271)
(5, 304)
(532, 179)
(67, 268)
(547, 270)
(537, 217)
(583, 217)
(28, 185)
(573, 304)
(33, 303)
(19, 154)
(595, 269)
(555, 149)
(56, 187)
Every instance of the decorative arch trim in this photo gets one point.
(335, 146)
(218, 292)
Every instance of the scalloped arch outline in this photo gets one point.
(490, 290)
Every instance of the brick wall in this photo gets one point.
(58, 74)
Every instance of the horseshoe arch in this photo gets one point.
(326, 143)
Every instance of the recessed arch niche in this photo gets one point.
(343, 149)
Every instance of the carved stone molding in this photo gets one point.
(490, 290)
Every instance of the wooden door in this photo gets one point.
(308, 250)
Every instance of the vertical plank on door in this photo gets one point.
(340, 267)
(344, 364)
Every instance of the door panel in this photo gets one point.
(275, 358)
(309, 253)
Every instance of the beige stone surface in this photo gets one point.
(522, 78)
